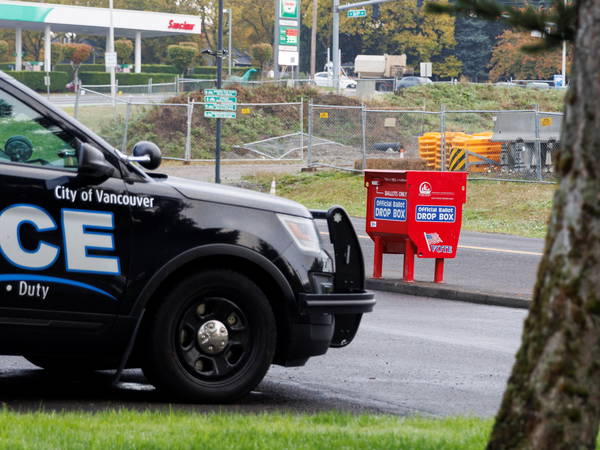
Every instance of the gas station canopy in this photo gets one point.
(94, 21)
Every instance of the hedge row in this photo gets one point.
(151, 68)
(35, 80)
(125, 79)
(201, 77)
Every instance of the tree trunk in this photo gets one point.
(552, 400)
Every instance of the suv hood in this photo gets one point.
(217, 193)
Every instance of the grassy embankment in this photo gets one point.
(496, 207)
(157, 430)
(475, 97)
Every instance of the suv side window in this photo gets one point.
(27, 137)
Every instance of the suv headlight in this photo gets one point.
(302, 231)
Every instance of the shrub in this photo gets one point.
(182, 57)
(58, 53)
(124, 49)
(261, 54)
(3, 50)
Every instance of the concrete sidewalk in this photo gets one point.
(448, 292)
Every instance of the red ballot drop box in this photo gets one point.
(414, 212)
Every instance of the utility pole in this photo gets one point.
(276, 41)
(313, 40)
(564, 58)
(230, 37)
(336, 45)
(219, 86)
(111, 49)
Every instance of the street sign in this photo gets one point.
(110, 59)
(219, 115)
(220, 103)
(357, 13)
(221, 106)
(425, 69)
(230, 92)
(288, 35)
(287, 58)
(219, 99)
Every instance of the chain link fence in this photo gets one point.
(511, 145)
(395, 133)
(261, 131)
(508, 145)
(336, 136)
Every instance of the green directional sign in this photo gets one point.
(220, 115)
(221, 106)
(220, 92)
(220, 103)
(357, 13)
(219, 99)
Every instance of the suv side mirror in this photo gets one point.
(147, 154)
(93, 166)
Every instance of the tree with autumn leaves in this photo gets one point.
(77, 54)
(509, 61)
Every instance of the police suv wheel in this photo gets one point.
(212, 339)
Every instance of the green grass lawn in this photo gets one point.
(521, 209)
(124, 429)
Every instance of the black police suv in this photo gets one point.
(203, 286)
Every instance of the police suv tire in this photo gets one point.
(173, 339)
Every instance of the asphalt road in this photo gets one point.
(495, 263)
(412, 355)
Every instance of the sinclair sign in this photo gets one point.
(181, 25)
(288, 9)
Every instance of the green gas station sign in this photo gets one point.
(288, 9)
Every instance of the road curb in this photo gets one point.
(446, 292)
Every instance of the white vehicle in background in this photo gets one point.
(325, 79)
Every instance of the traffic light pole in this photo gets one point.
(336, 33)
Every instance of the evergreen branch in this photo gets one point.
(556, 24)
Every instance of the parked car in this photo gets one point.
(405, 82)
(325, 79)
(104, 265)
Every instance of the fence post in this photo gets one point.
(443, 137)
(310, 133)
(302, 126)
(538, 145)
(363, 113)
(150, 85)
(177, 84)
(125, 131)
(77, 95)
(188, 137)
